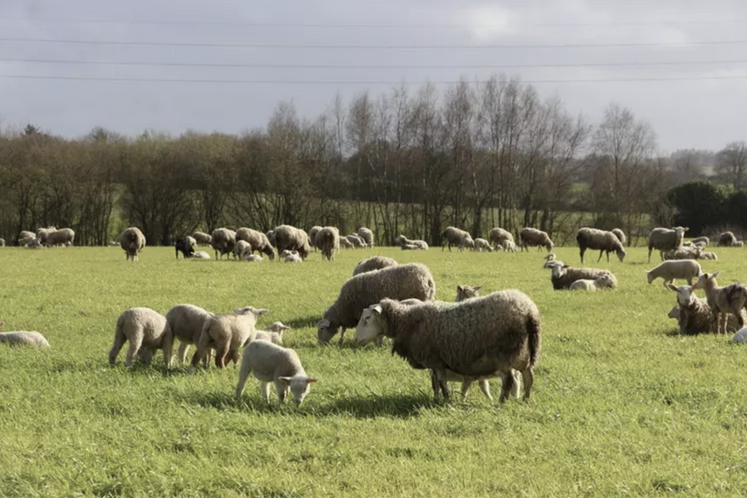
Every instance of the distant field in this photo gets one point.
(622, 405)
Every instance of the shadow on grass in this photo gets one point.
(306, 322)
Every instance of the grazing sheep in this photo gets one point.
(691, 252)
(605, 281)
(132, 241)
(23, 338)
(185, 246)
(28, 240)
(477, 338)
(201, 255)
(186, 322)
(374, 263)
(599, 240)
(257, 240)
(467, 291)
(664, 239)
(345, 243)
(242, 249)
(508, 245)
(708, 255)
(43, 233)
(685, 269)
(723, 300)
(563, 275)
(145, 329)
(356, 241)
(533, 237)
(413, 280)
(25, 234)
(273, 333)
(254, 258)
(726, 239)
(61, 237)
(703, 241)
(498, 235)
(457, 237)
(367, 235)
(328, 242)
(34, 244)
(482, 245)
(738, 243)
(272, 363)
(697, 317)
(312, 235)
(291, 256)
(202, 238)
(620, 235)
(223, 241)
(271, 237)
(292, 239)
(227, 334)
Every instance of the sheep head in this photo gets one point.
(370, 325)
(685, 295)
(298, 385)
(325, 331)
(706, 280)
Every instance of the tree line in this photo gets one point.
(413, 162)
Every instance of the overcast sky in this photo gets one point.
(702, 104)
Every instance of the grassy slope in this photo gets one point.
(621, 407)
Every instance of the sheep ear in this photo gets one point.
(310, 381)
(284, 380)
(323, 323)
(376, 308)
(715, 274)
(671, 287)
(477, 288)
(260, 311)
(460, 288)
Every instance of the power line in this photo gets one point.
(372, 66)
(379, 47)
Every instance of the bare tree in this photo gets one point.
(731, 164)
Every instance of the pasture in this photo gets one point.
(621, 404)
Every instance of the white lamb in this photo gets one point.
(273, 333)
(23, 338)
(201, 255)
(603, 282)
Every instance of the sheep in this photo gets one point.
(23, 338)
(663, 239)
(254, 258)
(291, 257)
(696, 316)
(355, 241)
(604, 281)
(25, 234)
(312, 235)
(242, 249)
(202, 238)
(498, 235)
(740, 337)
(458, 237)
(2, 242)
(34, 244)
(201, 255)
(227, 333)
(293, 239)
(186, 322)
(272, 363)
(686, 269)
(43, 233)
(185, 246)
(726, 239)
(328, 242)
(145, 329)
(26, 241)
(403, 241)
(620, 235)
(477, 338)
(482, 244)
(273, 333)
(738, 243)
(367, 235)
(723, 300)
(509, 245)
(708, 255)
(345, 243)
(550, 257)
(61, 237)
(601, 240)
(271, 237)
(704, 241)
(692, 252)
(533, 237)
(222, 241)
(374, 263)
(257, 240)
(467, 291)
(563, 275)
(132, 241)
(413, 280)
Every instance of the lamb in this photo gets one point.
(413, 280)
(467, 291)
(726, 239)
(23, 338)
(61, 237)
(186, 322)
(345, 243)
(257, 240)
(312, 235)
(273, 333)
(355, 241)
(691, 252)
(291, 256)
(242, 249)
(272, 363)
(223, 241)
(482, 245)
(201, 255)
(709, 255)
(458, 237)
(185, 245)
(254, 258)
(202, 238)
(374, 263)
(411, 244)
(145, 329)
(620, 235)
(696, 317)
(498, 235)
(26, 241)
(723, 300)
(601, 240)
(477, 338)
(328, 242)
(663, 239)
(226, 334)
(367, 235)
(605, 281)
(132, 241)
(685, 269)
(292, 239)
(702, 241)
(563, 275)
(509, 245)
(533, 237)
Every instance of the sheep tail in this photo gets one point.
(533, 333)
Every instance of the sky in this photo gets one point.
(680, 65)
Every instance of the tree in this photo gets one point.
(698, 205)
(731, 164)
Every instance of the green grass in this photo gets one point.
(621, 406)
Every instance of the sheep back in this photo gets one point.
(328, 242)
(531, 237)
(374, 263)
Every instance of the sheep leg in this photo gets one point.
(135, 342)
(182, 352)
(281, 388)
(264, 388)
(203, 348)
(221, 353)
(507, 386)
(466, 384)
(168, 349)
(527, 377)
(342, 335)
(119, 340)
(485, 388)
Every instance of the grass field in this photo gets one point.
(622, 405)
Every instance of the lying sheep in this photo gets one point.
(620, 235)
(202, 238)
(563, 275)
(271, 363)
(145, 329)
(599, 240)
(726, 239)
(482, 245)
(533, 237)
(26, 241)
(292, 239)
(328, 242)
(367, 235)
(701, 241)
(403, 241)
(61, 237)
(740, 337)
(291, 256)
(374, 263)
(273, 333)
(723, 300)
(708, 255)
(254, 258)
(257, 240)
(696, 316)
(477, 338)
(497, 236)
(241, 250)
(184, 245)
(604, 281)
(691, 252)
(132, 241)
(223, 242)
(453, 236)
(227, 334)
(23, 338)
(467, 291)
(186, 322)
(201, 255)
(664, 239)
(413, 280)
(684, 269)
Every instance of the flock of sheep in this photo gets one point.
(473, 339)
